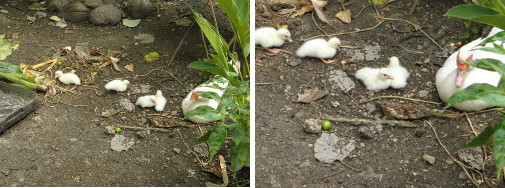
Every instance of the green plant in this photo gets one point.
(491, 12)
(472, 32)
(232, 114)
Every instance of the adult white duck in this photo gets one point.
(193, 100)
(455, 75)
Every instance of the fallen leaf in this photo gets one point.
(152, 56)
(311, 95)
(318, 6)
(213, 170)
(329, 148)
(129, 67)
(131, 23)
(110, 112)
(120, 143)
(345, 16)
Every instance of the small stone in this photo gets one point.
(143, 133)
(92, 3)
(177, 150)
(335, 104)
(312, 125)
(105, 15)
(294, 62)
(449, 161)
(57, 5)
(395, 139)
(370, 107)
(75, 12)
(423, 93)
(425, 70)
(462, 176)
(428, 158)
(369, 132)
(427, 60)
(110, 130)
(419, 133)
(139, 9)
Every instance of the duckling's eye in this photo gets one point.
(385, 74)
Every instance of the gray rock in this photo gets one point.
(93, 3)
(140, 8)
(143, 133)
(105, 15)
(57, 5)
(473, 157)
(370, 131)
(75, 12)
(110, 130)
(423, 93)
(120, 143)
(201, 149)
(127, 104)
(342, 80)
(312, 125)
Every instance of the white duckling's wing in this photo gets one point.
(311, 48)
(160, 101)
(266, 37)
(398, 72)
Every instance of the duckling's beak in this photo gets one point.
(462, 70)
(390, 77)
(290, 40)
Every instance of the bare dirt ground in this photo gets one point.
(62, 142)
(393, 157)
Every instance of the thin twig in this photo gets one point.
(346, 33)
(361, 11)
(213, 15)
(426, 34)
(413, 7)
(409, 50)
(326, 34)
(180, 43)
(398, 97)
(146, 128)
(357, 121)
(349, 166)
(470, 123)
(204, 44)
(449, 154)
(200, 161)
(264, 83)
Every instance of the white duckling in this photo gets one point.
(269, 37)
(398, 72)
(159, 101)
(117, 85)
(319, 48)
(375, 78)
(146, 101)
(193, 100)
(455, 75)
(68, 78)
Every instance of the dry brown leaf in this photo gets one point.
(345, 16)
(310, 95)
(129, 67)
(302, 11)
(318, 6)
(110, 112)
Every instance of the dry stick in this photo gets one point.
(449, 154)
(413, 7)
(264, 83)
(349, 166)
(408, 50)
(204, 44)
(426, 34)
(470, 123)
(213, 15)
(357, 121)
(346, 33)
(326, 34)
(146, 128)
(201, 163)
(398, 97)
(361, 11)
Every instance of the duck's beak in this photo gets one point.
(193, 98)
(390, 77)
(462, 70)
(290, 40)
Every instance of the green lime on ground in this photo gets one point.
(59, 63)
(118, 130)
(326, 125)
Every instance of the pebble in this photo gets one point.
(143, 133)
(110, 130)
(425, 70)
(57, 5)
(369, 132)
(177, 150)
(105, 15)
(75, 12)
(140, 9)
(312, 125)
(449, 161)
(428, 158)
(423, 93)
(335, 104)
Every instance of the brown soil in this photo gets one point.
(393, 157)
(64, 144)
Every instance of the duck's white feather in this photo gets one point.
(269, 37)
(201, 101)
(117, 85)
(68, 78)
(374, 78)
(446, 75)
(146, 101)
(398, 72)
(319, 48)
(160, 101)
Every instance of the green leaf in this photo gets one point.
(485, 92)
(478, 13)
(216, 40)
(204, 138)
(152, 56)
(485, 138)
(468, 24)
(465, 36)
(240, 154)
(496, 49)
(500, 36)
(501, 84)
(131, 23)
(209, 67)
(210, 95)
(237, 132)
(192, 2)
(204, 111)
(489, 64)
(499, 147)
(217, 138)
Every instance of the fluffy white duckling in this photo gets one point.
(117, 85)
(68, 78)
(374, 78)
(193, 100)
(159, 101)
(398, 72)
(455, 75)
(319, 48)
(269, 37)
(146, 101)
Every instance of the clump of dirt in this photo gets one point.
(63, 142)
(392, 155)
